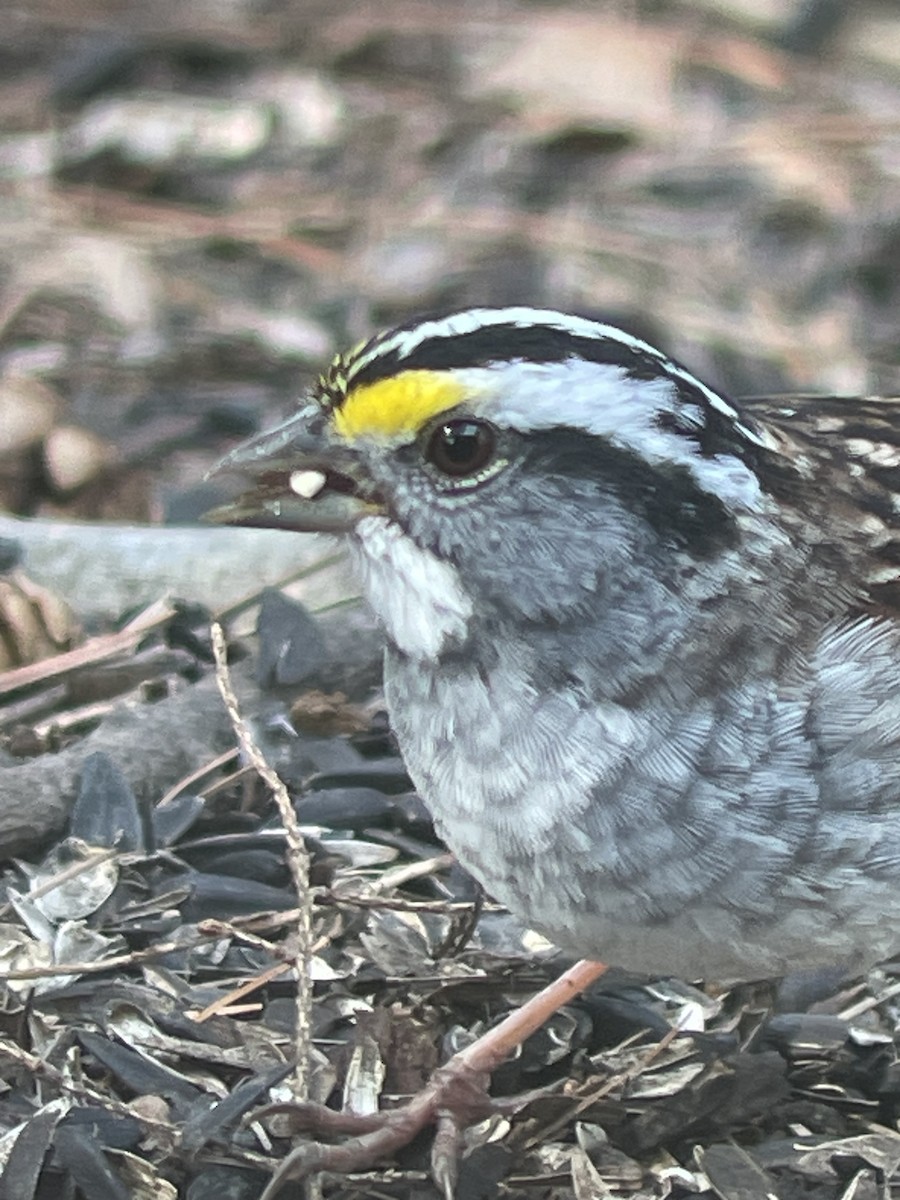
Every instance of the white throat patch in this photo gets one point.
(417, 597)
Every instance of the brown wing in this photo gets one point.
(843, 454)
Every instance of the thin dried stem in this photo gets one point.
(297, 857)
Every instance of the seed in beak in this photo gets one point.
(306, 484)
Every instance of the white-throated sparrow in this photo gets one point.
(643, 643)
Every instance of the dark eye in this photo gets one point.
(461, 448)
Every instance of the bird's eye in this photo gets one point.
(461, 448)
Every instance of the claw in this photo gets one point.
(454, 1097)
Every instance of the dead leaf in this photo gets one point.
(575, 69)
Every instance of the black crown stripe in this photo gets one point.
(505, 343)
(719, 433)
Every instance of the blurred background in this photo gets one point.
(201, 200)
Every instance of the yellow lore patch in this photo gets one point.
(396, 407)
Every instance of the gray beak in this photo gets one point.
(300, 480)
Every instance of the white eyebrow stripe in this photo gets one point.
(403, 342)
(602, 400)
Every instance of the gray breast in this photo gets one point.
(691, 843)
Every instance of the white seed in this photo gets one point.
(307, 483)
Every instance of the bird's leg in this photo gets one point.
(454, 1096)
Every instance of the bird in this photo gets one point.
(642, 640)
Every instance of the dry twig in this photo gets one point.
(298, 861)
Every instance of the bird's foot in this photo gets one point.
(454, 1098)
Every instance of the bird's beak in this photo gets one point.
(301, 480)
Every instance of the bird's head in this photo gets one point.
(517, 464)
